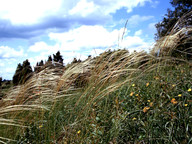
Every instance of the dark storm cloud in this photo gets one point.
(46, 25)
(8, 30)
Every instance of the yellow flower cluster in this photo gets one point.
(179, 95)
(151, 104)
(156, 77)
(173, 101)
(186, 105)
(145, 109)
(131, 94)
(134, 118)
(78, 132)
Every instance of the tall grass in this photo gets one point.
(116, 97)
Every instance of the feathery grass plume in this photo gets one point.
(179, 42)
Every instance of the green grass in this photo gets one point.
(118, 98)
(121, 102)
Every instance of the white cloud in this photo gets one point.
(7, 67)
(7, 52)
(86, 37)
(138, 33)
(2, 64)
(28, 11)
(96, 52)
(88, 40)
(83, 8)
(135, 43)
(110, 6)
(7, 72)
(33, 11)
(136, 19)
(42, 46)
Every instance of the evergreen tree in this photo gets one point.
(26, 72)
(41, 63)
(22, 73)
(50, 59)
(181, 7)
(17, 75)
(74, 61)
(58, 58)
(79, 61)
(36, 68)
(27, 67)
(39, 66)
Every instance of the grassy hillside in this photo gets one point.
(116, 97)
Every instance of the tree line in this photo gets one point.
(57, 60)
(24, 71)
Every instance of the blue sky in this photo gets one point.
(35, 29)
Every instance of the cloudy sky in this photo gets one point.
(35, 29)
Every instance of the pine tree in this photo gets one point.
(74, 61)
(181, 7)
(79, 61)
(17, 75)
(22, 73)
(41, 63)
(50, 59)
(39, 66)
(26, 72)
(58, 58)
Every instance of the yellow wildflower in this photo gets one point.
(131, 94)
(173, 101)
(79, 132)
(151, 104)
(147, 84)
(179, 95)
(186, 105)
(156, 77)
(133, 85)
(189, 90)
(134, 118)
(40, 126)
(173, 85)
(145, 109)
(148, 100)
(137, 95)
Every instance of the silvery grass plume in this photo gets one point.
(180, 35)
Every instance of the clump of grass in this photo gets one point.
(135, 108)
